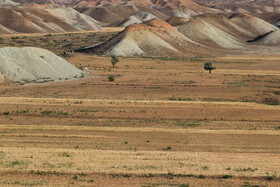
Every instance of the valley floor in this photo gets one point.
(162, 122)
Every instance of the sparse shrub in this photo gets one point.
(202, 176)
(65, 54)
(75, 177)
(271, 101)
(167, 148)
(247, 184)
(205, 168)
(47, 112)
(41, 173)
(83, 174)
(188, 123)
(184, 185)
(64, 154)
(6, 113)
(170, 174)
(16, 162)
(226, 176)
(111, 78)
(173, 98)
(62, 113)
(270, 177)
(246, 169)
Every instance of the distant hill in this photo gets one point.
(27, 20)
(203, 35)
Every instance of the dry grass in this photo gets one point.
(159, 116)
(136, 162)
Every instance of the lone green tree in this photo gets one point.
(209, 67)
(114, 60)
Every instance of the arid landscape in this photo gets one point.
(69, 117)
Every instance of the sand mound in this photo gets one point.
(116, 12)
(207, 34)
(33, 20)
(145, 16)
(76, 19)
(176, 21)
(138, 18)
(252, 25)
(8, 3)
(129, 21)
(240, 10)
(204, 32)
(152, 38)
(242, 6)
(229, 31)
(158, 23)
(31, 64)
(111, 16)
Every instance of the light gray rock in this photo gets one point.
(30, 64)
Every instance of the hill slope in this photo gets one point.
(75, 19)
(159, 8)
(25, 20)
(152, 38)
(138, 18)
(225, 30)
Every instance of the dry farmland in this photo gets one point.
(161, 122)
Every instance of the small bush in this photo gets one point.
(271, 101)
(226, 176)
(111, 78)
(184, 185)
(83, 174)
(205, 168)
(47, 112)
(202, 176)
(127, 176)
(167, 148)
(271, 177)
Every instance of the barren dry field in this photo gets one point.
(162, 122)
